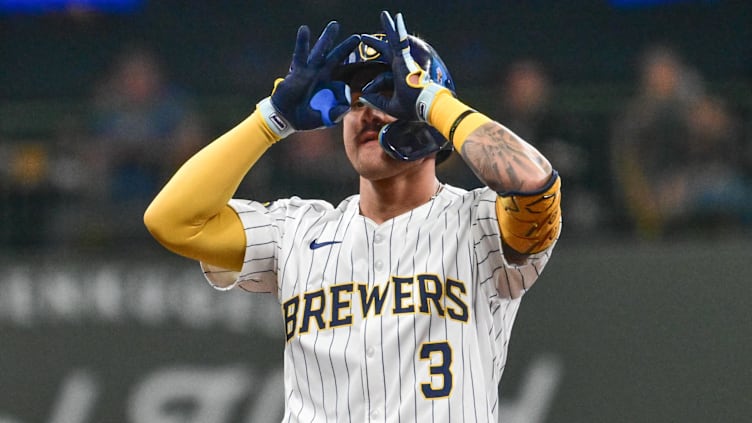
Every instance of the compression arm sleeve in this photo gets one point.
(454, 119)
(190, 215)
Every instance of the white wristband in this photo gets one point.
(425, 100)
(273, 119)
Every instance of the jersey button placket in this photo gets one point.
(374, 350)
(372, 369)
(380, 257)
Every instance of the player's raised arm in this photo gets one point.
(528, 206)
(190, 216)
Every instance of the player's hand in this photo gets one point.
(413, 91)
(308, 98)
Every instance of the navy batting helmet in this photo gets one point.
(402, 140)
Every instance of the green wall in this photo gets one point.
(610, 333)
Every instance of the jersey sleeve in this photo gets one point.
(509, 279)
(263, 234)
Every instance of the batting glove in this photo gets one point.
(413, 90)
(307, 98)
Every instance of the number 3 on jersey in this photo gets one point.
(440, 356)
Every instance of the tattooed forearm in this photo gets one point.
(503, 161)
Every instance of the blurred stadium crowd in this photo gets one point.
(671, 157)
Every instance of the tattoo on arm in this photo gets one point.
(502, 160)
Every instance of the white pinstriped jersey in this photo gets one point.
(406, 321)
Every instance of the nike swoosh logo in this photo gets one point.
(314, 245)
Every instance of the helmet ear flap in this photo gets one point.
(443, 155)
(411, 140)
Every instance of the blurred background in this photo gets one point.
(644, 107)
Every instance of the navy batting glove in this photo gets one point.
(307, 98)
(413, 90)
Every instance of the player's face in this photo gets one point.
(360, 130)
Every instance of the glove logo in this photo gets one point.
(423, 110)
(278, 121)
(323, 101)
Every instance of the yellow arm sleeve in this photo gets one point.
(190, 215)
(454, 119)
(530, 223)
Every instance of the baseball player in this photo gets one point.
(398, 303)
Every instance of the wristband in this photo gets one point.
(273, 119)
(448, 114)
(269, 136)
(425, 100)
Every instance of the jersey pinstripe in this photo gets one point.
(404, 321)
